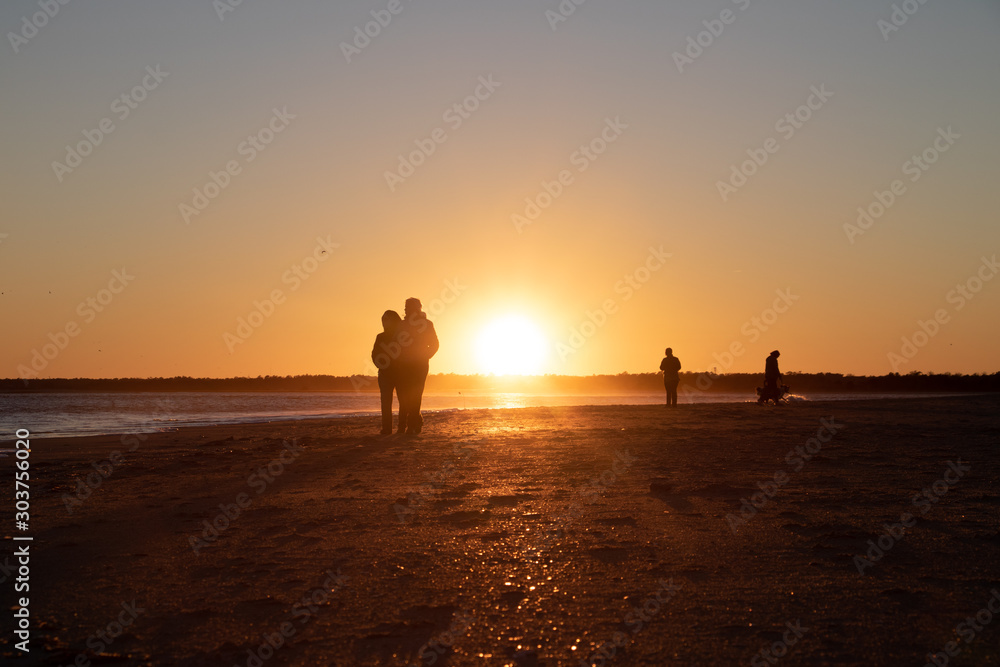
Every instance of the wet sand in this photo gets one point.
(523, 537)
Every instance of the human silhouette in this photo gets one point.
(772, 389)
(670, 366)
(385, 356)
(772, 376)
(418, 342)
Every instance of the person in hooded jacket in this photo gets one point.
(385, 356)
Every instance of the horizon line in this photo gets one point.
(494, 375)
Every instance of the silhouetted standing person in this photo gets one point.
(772, 376)
(418, 343)
(671, 367)
(385, 356)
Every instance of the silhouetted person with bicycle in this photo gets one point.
(772, 389)
(418, 342)
(671, 367)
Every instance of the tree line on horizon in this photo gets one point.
(622, 383)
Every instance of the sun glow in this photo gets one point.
(511, 345)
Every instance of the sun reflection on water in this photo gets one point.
(512, 400)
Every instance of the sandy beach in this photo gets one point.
(819, 533)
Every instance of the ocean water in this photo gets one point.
(79, 414)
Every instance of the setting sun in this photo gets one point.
(511, 345)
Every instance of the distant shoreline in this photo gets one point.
(62, 415)
(363, 419)
(623, 383)
(916, 392)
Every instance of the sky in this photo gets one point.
(216, 189)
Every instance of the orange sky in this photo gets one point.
(681, 200)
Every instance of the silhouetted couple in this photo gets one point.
(402, 355)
